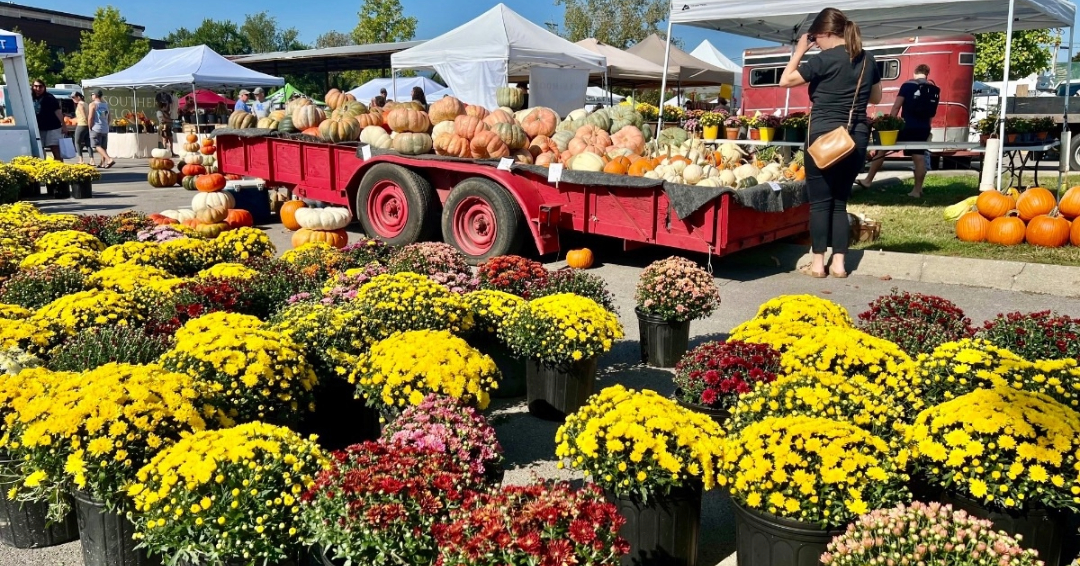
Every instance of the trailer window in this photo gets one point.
(967, 59)
(765, 76)
(888, 69)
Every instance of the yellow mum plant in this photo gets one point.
(92, 431)
(14, 312)
(812, 393)
(227, 496)
(561, 329)
(186, 256)
(83, 260)
(250, 373)
(25, 334)
(782, 320)
(228, 270)
(408, 301)
(490, 308)
(404, 368)
(324, 332)
(125, 278)
(1059, 379)
(640, 444)
(139, 253)
(957, 368)
(1003, 447)
(242, 244)
(69, 239)
(76, 312)
(811, 469)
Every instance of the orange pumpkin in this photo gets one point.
(1006, 230)
(191, 138)
(408, 120)
(336, 238)
(313, 131)
(288, 214)
(369, 119)
(468, 126)
(618, 166)
(640, 167)
(993, 204)
(192, 170)
(208, 141)
(210, 183)
(488, 144)
(162, 220)
(207, 150)
(192, 223)
(498, 117)
(629, 137)
(445, 109)
(238, 218)
(972, 227)
(580, 259)
(1048, 230)
(545, 159)
(476, 111)
(1069, 207)
(540, 122)
(1074, 234)
(1035, 201)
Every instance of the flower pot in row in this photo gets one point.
(26, 524)
(670, 293)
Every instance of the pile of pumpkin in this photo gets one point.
(325, 225)
(1034, 216)
(196, 158)
(213, 209)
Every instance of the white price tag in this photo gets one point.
(365, 152)
(505, 163)
(775, 186)
(554, 172)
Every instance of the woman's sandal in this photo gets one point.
(838, 275)
(808, 271)
(862, 185)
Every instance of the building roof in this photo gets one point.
(327, 59)
(13, 10)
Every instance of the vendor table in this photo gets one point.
(127, 146)
(1017, 158)
(757, 143)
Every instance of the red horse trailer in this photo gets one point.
(952, 67)
(485, 211)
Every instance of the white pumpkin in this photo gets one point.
(445, 127)
(578, 114)
(652, 175)
(159, 153)
(587, 161)
(175, 215)
(330, 218)
(710, 182)
(212, 200)
(727, 178)
(193, 159)
(208, 160)
(179, 215)
(692, 174)
(746, 171)
(376, 137)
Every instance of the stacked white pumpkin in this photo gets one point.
(325, 225)
(206, 207)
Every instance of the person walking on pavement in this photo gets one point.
(82, 130)
(98, 120)
(917, 104)
(50, 119)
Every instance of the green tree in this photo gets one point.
(1031, 53)
(333, 38)
(223, 36)
(40, 63)
(619, 23)
(263, 35)
(383, 21)
(107, 48)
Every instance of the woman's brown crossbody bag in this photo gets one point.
(828, 149)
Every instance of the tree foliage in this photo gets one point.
(264, 36)
(1031, 53)
(619, 23)
(333, 38)
(106, 48)
(383, 21)
(223, 36)
(40, 63)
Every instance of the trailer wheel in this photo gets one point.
(482, 220)
(1074, 148)
(396, 205)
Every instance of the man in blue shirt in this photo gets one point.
(916, 128)
(242, 103)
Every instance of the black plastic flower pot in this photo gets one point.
(340, 419)
(82, 189)
(662, 531)
(30, 191)
(556, 391)
(24, 525)
(763, 539)
(1044, 530)
(60, 190)
(663, 342)
(107, 537)
(719, 415)
(511, 367)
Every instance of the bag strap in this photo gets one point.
(855, 100)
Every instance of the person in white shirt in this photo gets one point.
(260, 106)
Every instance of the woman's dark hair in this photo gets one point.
(831, 20)
(418, 95)
(380, 101)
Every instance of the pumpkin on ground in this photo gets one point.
(240, 119)
(993, 204)
(159, 178)
(580, 259)
(972, 227)
(211, 230)
(288, 214)
(1006, 230)
(337, 130)
(408, 120)
(210, 183)
(329, 218)
(445, 110)
(239, 218)
(210, 200)
(540, 122)
(309, 116)
(161, 163)
(1048, 230)
(1074, 234)
(1069, 206)
(212, 214)
(511, 134)
(335, 238)
(1035, 201)
(488, 144)
(161, 219)
(408, 143)
(510, 96)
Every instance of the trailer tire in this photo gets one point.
(1074, 150)
(482, 220)
(396, 205)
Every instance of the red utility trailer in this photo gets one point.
(485, 211)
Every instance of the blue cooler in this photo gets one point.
(253, 197)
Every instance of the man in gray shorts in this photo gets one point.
(99, 129)
(50, 118)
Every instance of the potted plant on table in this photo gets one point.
(809, 477)
(670, 293)
(1042, 128)
(653, 459)
(986, 128)
(710, 378)
(752, 123)
(888, 128)
(1025, 446)
(710, 124)
(767, 126)
(1016, 130)
(733, 127)
(562, 336)
(795, 126)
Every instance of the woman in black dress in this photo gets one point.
(833, 76)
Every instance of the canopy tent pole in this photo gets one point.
(393, 84)
(607, 87)
(135, 112)
(1065, 150)
(663, 79)
(195, 99)
(1005, 91)
(787, 91)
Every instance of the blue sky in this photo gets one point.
(434, 16)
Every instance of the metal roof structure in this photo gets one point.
(325, 60)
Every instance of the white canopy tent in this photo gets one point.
(710, 54)
(399, 91)
(625, 68)
(784, 21)
(23, 138)
(481, 55)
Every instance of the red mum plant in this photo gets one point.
(715, 373)
(545, 525)
(926, 308)
(1034, 336)
(913, 335)
(193, 299)
(512, 274)
(379, 504)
